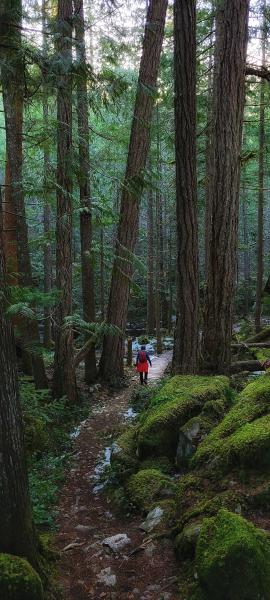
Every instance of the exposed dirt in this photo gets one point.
(146, 569)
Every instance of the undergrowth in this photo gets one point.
(56, 419)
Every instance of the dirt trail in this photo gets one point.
(87, 516)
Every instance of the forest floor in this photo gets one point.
(146, 568)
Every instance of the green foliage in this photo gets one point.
(47, 431)
(232, 559)
(18, 580)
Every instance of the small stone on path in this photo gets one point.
(117, 542)
(107, 577)
(153, 519)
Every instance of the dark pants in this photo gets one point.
(143, 380)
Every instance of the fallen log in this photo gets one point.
(82, 353)
(264, 334)
(251, 345)
(246, 365)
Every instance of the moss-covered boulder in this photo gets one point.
(123, 458)
(233, 559)
(243, 436)
(176, 403)
(148, 485)
(18, 580)
(186, 541)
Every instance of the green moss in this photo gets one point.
(215, 409)
(36, 437)
(185, 542)
(208, 507)
(233, 559)
(162, 463)
(146, 486)
(240, 436)
(124, 460)
(18, 580)
(180, 399)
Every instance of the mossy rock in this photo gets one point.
(18, 580)
(162, 463)
(233, 558)
(215, 409)
(243, 436)
(186, 541)
(148, 485)
(180, 399)
(123, 458)
(190, 435)
(209, 506)
(36, 436)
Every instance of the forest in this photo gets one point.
(135, 300)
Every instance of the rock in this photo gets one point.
(153, 519)
(107, 577)
(232, 557)
(185, 543)
(18, 580)
(117, 542)
(150, 549)
(153, 588)
(83, 529)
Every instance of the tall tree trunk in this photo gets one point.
(47, 251)
(102, 275)
(226, 132)
(111, 363)
(158, 273)
(64, 379)
(208, 158)
(17, 534)
(260, 233)
(10, 230)
(150, 320)
(186, 332)
(85, 190)
(13, 97)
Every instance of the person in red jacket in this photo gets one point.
(142, 361)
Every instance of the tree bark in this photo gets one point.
(186, 333)
(150, 320)
(13, 98)
(47, 251)
(228, 106)
(64, 380)
(84, 184)
(260, 232)
(111, 363)
(17, 535)
(158, 272)
(208, 160)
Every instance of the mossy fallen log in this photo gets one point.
(246, 365)
(264, 334)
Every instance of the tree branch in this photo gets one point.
(262, 72)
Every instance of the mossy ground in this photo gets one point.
(18, 580)
(228, 476)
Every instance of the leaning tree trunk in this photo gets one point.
(17, 534)
(226, 132)
(260, 232)
(13, 97)
(64, 380)
(186, 332)
(84, 184)
(111, 363)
